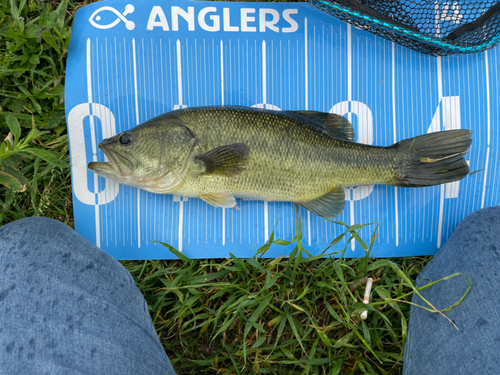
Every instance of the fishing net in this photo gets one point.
(433, 27)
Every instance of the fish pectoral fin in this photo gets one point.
(335, 125)
(223, 199)
(227, 160)
(329, 205)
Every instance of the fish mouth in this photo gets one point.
(118, 164)
(103, 169)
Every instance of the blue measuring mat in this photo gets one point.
(130, 61)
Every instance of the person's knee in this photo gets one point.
(473, 242)
(32, 227)
(485, 219)
(23, 238)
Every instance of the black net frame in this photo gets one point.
(435, 27)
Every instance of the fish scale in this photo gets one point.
(290, 160)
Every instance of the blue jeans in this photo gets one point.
(67, 307)
(433, 345)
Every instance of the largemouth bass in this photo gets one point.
(218, 154)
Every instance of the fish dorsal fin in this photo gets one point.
(226, 160)
(336, 125)
(223, 199)
(329, 205)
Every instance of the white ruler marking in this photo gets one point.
(180, 105)
(264, 101)
(222, 102)
(485, 175)
(179, 71)
(488, 113)
(306, 73)
(137, 122)
(306, 66)
(349, 98)
(396, 206)
(442, 188)
(94, 144)
(181, 215)
(222, 72)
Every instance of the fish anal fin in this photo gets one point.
(329, 205)
(223, 199)
(335, 125)
(226, 160)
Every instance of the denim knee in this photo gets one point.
(24, 238)
(485, 220)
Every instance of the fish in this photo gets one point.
(220, 153)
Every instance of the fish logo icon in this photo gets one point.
(129, 8)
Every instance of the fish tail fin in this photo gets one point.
(434, 158)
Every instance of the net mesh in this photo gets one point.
(431, 27)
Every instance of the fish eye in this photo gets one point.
(125, 139)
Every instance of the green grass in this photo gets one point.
(230, 316)
(34, 160)
(289, 315)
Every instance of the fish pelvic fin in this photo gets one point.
(335, 125)
(329, 205)
(434, 158)
(226, 160)
(223, 199)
